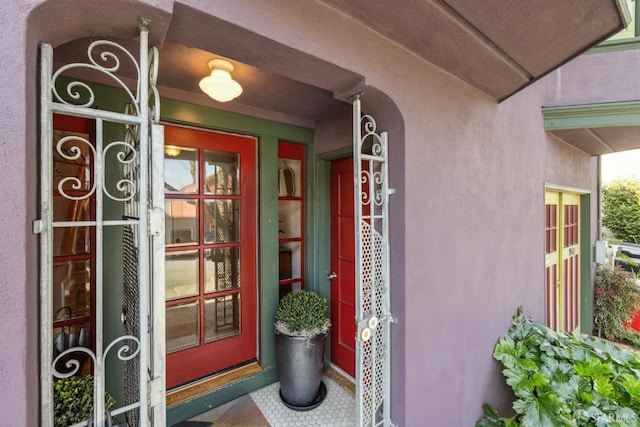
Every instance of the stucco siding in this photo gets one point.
(475, 173)
(467, 248)
(18, 251)
(595, 78)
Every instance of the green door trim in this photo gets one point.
(586, 281)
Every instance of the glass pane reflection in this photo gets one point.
(289, 216)
(221, 219)
(289, 178)
(180, 169)
(222, 317)
(181, 274)
(71, 289)
(65, 209)
(222, 269)
(71, 240)
(222, 172)
(183, 330)
(181, 221)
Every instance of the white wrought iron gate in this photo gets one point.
(99, 189)
(373, 314)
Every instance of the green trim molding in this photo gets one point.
(625, 13)
(586, 271)
(591, 115)
(622, 43)
(616, 45)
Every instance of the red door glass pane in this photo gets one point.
(73, 290)
(210, 250)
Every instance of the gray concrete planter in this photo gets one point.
(300, 362)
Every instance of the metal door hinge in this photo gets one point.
(38, 226)
(156, 391)
(156, 221)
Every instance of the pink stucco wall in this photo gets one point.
(18, 251)
(595, 78)
(475, 174)
(468, 248)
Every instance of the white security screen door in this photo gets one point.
(373, 315)
(101, 233)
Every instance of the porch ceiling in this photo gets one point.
(496, 46)
(181, 68)
(598, 141)
(597, 128)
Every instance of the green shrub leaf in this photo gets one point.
(73, 400)
(560, 380)
(547, 410)
(591, 368)
(616, 300)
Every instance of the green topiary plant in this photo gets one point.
(616, 300)
(302, 314)
(73, 400)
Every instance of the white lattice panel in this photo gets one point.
(372, 272)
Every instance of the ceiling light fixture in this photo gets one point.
(219, 85)
(171, 150)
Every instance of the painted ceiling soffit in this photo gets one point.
(596, 128)
(496, 46)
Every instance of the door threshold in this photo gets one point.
(197, 388)
(343, 379)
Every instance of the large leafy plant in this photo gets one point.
(559, 380)
(616, 300)
(302, 314)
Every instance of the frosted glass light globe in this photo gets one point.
(220, 85)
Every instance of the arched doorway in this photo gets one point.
(313, 105)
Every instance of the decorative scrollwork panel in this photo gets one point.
(95, 183)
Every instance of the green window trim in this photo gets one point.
(629, 38)
(591, 115)
(616, 45)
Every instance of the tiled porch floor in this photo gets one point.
(337, 409)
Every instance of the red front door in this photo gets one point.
(210, 219)
(343, 307)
